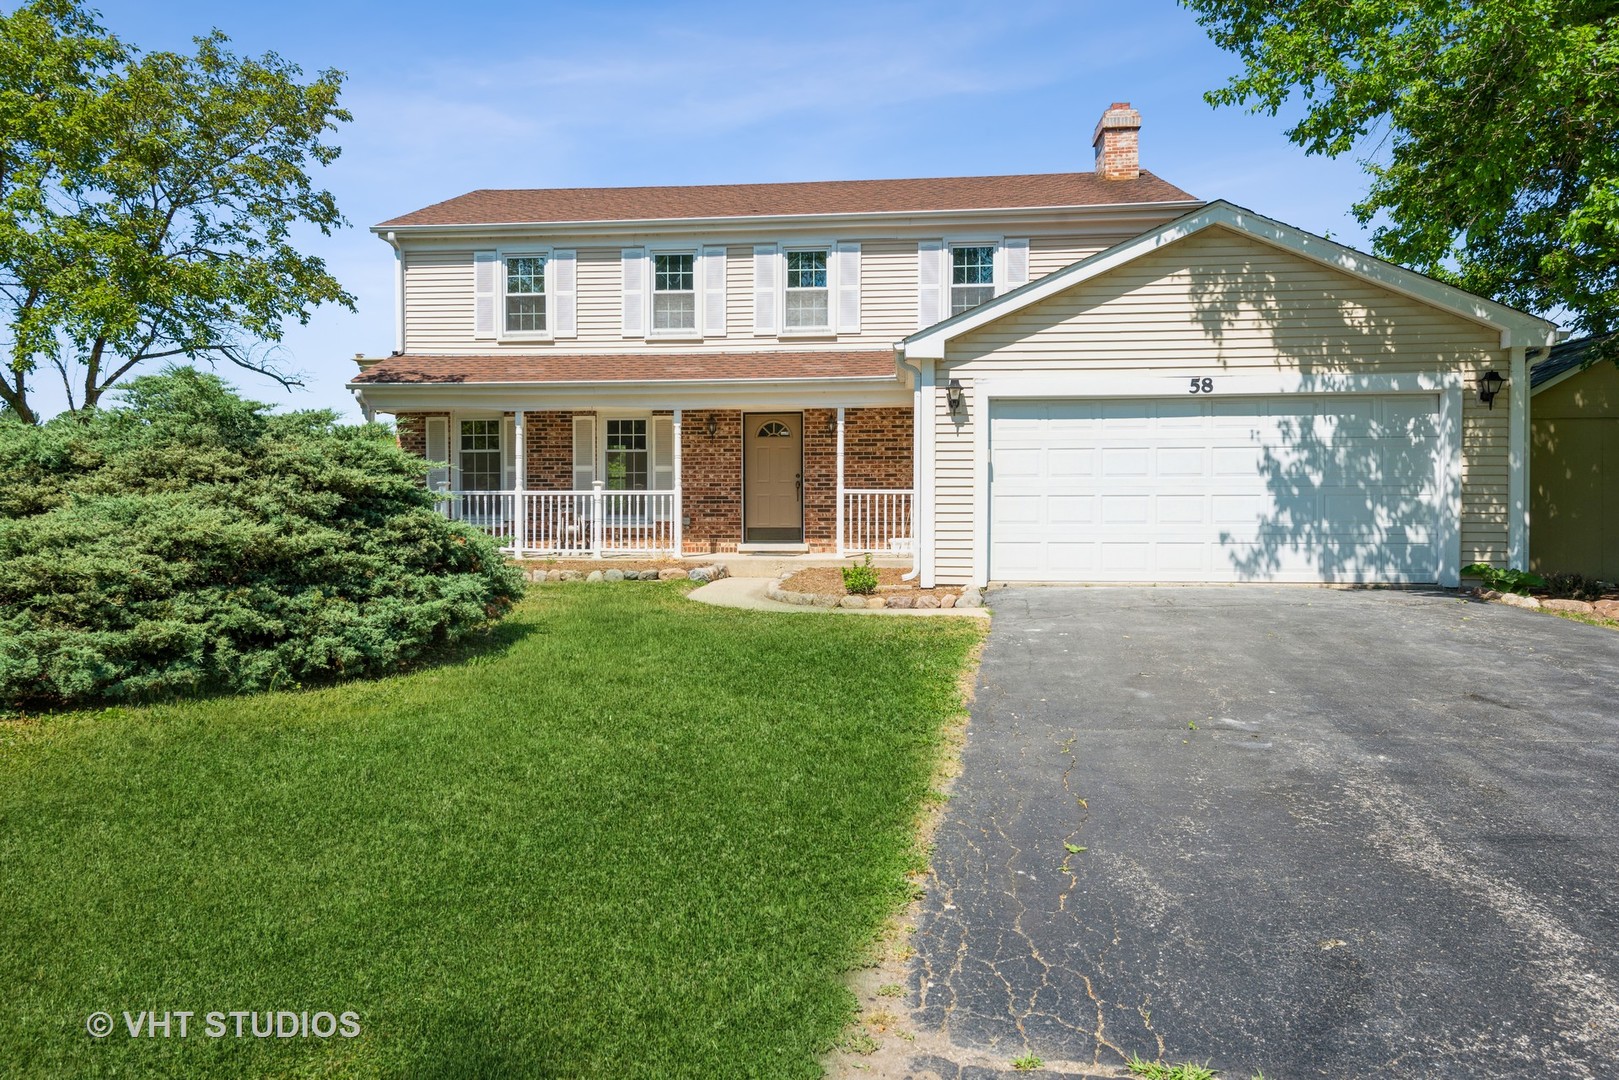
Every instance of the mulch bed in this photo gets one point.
(828, 581)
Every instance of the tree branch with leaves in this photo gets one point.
(1490, 132)
(148, 202)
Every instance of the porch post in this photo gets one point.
(838, 515)
(675, 524)
(596, 505)
(519, 510)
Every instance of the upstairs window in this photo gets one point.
(628, 456)
(525, 294)
(674, 293)
(480, 455)
(972, 276)
(808, 302)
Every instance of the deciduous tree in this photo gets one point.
(1490, 131)
(148, 203)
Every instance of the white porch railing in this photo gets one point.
(876, 520)
(589, 523)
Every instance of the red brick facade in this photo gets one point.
(876, 454)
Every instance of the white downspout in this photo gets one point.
(399, 292)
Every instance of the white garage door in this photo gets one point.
(1282, 488)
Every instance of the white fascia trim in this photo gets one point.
(1516, 327)
(761, 394)
(757, 222)
(1163, 384)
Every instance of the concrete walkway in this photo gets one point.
(749, 593)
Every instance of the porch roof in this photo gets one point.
(616, 368)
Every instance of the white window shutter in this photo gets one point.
(485, 290)
(663, 453)
(764, 289)
(508, 452)
(562, 284)
(713, 269)
(1014, 268)
(584, 452)
(633, 262)
(438, 450)
(931, 256)
(848, 286)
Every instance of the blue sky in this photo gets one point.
(451, 97)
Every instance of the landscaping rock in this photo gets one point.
(553, 575)
(613, 575)
(594, 575)
(1608, 609)
(671, 574)
(852, 602)
(571, 575)
(926, 602)
(651, 575)
(947, 601)
(826, 600)
(876, 602)
(970, 598)
(899, 601)
(720, 571)
(1486, 594)
(702, 573)
(1577, 607)
(1520, 601)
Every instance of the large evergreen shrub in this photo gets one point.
(190, 541)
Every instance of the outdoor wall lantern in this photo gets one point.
(952, 396)
(712, 426)
(831, 425)
(1489, 385)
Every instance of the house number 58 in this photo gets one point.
(1204, 385)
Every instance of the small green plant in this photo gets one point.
(1157, 1070)
(1073, 849)
(858, 1042)
(1028, 1063)
(1191, 725)
(1572, 587)
(861, 580)
(891, 990)
(1503, 579)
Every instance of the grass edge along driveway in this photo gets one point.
(630, 835)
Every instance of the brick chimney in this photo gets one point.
(1118, 143)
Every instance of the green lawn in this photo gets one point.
(631, 836)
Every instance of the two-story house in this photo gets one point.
(1064, 377)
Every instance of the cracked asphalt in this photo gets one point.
(1324, 833)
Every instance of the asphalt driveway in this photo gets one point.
(1326, 833)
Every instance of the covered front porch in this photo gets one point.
(592, 483)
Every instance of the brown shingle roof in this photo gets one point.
(515, 206)
(631, 367)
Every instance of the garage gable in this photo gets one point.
(1257, 263)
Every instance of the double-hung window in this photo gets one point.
(972, 276)
(674, 293)
(525, 294)
(480, 455)
(629, 458)
(808, 303)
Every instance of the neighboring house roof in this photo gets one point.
(521, 206)
(1517, 328)
(1569, 358)
(410, 369)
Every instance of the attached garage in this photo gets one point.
(1224, 398)
(1281, 488)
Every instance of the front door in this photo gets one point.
(773, 470)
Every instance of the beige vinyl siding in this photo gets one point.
(888, 285)
(1051, 253)
(1221, 302)
(438, 300)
